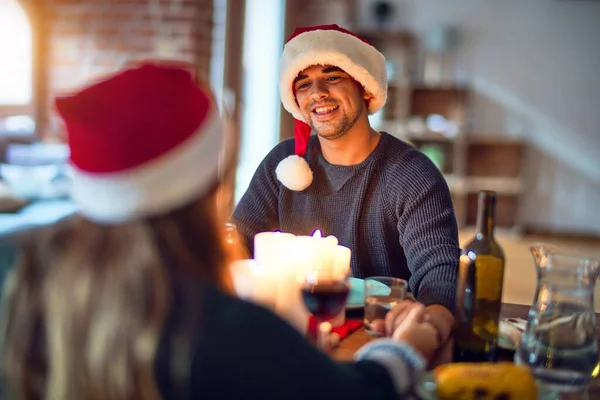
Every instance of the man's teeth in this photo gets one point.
(323, 110)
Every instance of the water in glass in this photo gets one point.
(560, 344)
(381, 295)
(376, 308)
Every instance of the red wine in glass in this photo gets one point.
(325, 298)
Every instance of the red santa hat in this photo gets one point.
(324, 45)
(143, 142)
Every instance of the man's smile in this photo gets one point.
(324, 112)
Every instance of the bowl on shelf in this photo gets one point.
(29, 181)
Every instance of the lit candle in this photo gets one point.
(252, 282)
(323, 250)
(270, 248)
(341, 263)
(341, 269)
(287, 258)
(304, 254)
(331, 239)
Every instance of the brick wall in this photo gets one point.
(83, 39)
(89, 38)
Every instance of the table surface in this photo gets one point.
(355, 340)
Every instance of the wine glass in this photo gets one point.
(233, 243)
(324, 293)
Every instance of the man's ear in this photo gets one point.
(367, 96)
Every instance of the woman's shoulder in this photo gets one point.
(217, 331)
(227, 308)
(201, 324)
(214, 305)
(219, 316)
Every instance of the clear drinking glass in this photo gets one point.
(233, 244)
(560, 345)
(382, 293)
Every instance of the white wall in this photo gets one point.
(534, 66)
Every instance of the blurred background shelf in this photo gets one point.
(474, 184)
(436, 117)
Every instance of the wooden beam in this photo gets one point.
(232, 98)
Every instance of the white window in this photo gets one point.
(16, 64)
(261, 104)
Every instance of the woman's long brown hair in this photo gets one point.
(84, 309)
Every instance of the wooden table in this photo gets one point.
(348, 346)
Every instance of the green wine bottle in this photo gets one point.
(479, 292)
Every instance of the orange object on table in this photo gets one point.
(343, 331)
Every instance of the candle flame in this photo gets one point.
(317, 234)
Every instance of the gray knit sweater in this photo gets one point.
(394, 210)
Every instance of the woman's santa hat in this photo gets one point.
(144, 142)
(324, 45)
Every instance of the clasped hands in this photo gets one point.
(425, 328)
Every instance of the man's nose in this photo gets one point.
(319, 91)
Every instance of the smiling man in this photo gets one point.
(375, 193)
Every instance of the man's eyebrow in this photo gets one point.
(324, 71)
(300, 77)
(332, 69)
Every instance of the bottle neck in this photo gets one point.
(486, 215)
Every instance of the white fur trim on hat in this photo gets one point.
(163, 184)
(294, 173)
(360, 60)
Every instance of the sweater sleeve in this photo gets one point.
(428, 230)
(257, 210)
(248, 352)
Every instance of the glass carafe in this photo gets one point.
(559, 344)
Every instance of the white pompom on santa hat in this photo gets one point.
(324, 45)
(143, 142)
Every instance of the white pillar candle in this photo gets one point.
(270, 248)
(252, 283)
(287, 259)
(341, 263)
(302, 254)
(323, 252)
(341, 266)
(331, 239)
(290, 305)
(278, 252)
(305, 253)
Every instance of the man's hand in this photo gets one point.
(415, 330)
(442, 319)
(439, 316)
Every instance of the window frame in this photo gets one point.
(33, 11)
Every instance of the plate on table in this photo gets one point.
(510, 331)
(356, 297)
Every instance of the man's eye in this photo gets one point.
(334, 78)
(302, 86)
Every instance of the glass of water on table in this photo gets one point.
(382, 293)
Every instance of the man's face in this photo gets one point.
(329, 99)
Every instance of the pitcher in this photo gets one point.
(559, 343)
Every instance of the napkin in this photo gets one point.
(342, 331)
(510, 331)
